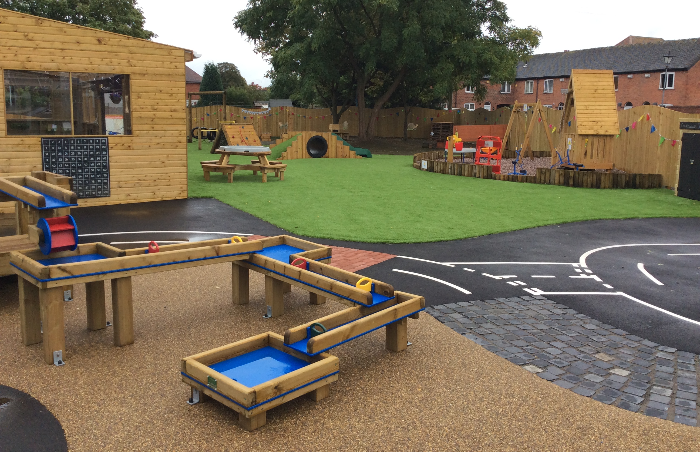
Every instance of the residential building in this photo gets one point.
(192, 82)
(637, 64)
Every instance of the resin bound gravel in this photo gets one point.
(444, 392)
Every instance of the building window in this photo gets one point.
(487, 106)
(469, 89)
(615, 81)
(628, 105)
(469, 106)
(646, 102)
(39, 103)
(505, 87)
(529, 86)
(547, 106)
(560, 106)
(549, 85)
(667, 83)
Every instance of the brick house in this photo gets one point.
(192, 82)
(638, 66)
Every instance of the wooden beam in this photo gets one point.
(95, 304)
(29, 312)
(52, 321)
(122, 311)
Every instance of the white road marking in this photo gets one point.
(641, 268)
(578, 270)
(451, 264)
(434, 279)
(520, 283)
(469, 270)
(607, 286)
(584, 256)
(499, 277)
(535, 291)
(426, 260)
(587, 276)
(161, 242)
(684, 254)
(588, 271)
(542, 276)
(164, 232)
(513, 283)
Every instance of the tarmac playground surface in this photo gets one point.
(446, 391)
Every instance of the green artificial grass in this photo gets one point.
(384, 199)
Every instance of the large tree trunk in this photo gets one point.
(372, 128)
(361, 111)
(406, 112)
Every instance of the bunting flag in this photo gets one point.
(648, 117)
(634, 124)
(554, 129)
(569, 123)
(653, 129)
(661, 140)
(673, 143)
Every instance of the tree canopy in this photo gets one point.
(230, 75)
(211, 81)
(361, 51)
(118, 16)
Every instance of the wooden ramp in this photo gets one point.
(240, 134)
(336, 148)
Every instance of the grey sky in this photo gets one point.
(207, 28)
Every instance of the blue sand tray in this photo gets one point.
(300, 346)
(259, 366)
(280, 252)
(51, 202)
(71, 259)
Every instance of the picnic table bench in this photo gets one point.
(261, 164)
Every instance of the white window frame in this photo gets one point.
(505, 88)
(551, 86)
(529, 86)
(487, 106)
(560, 106)
(616, 82)
(662, 78)
(547, 106)
(469, 106)
(469, 89)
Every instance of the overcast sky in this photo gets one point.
(206, 26)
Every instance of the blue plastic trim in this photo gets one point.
(346, 340)
(51, 202)
(266, 401)
(126, 269)
(44, 246)
(71, 259)
(325, 290)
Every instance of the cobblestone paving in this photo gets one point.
(581, 354)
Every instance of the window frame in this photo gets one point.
(469, 89)
(487, 104)
(560, 107)
(551, 86)
(531, 85)
(470, 103)
(505, 88)
(673, 80)
(616, 82)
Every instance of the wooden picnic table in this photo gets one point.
(261, 163)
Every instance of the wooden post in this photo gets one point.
(240, 284)
(95, 304)
(199, 137)
(251, 423)
(122, 311)
(287, 287)
(29, 312)
(316, 299)
(189, 118)
(274, 296)
(450, 150)
(397, 336)
(52, 306)
(321, 393)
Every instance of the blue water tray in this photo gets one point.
(71, 259)
(51, 202)
(259, 366)
(280, 252)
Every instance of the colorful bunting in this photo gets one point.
(661, 140)
(653, 129)
(634, 124)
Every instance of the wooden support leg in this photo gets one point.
(281, 174)
(202, 396)
(123, 311)
(321, 393)
(274, 294)
(229, 176)
(240, 284)
(95, 304)
(316, 299)
(251, 423)
(29, 312)
(206, 175)
(397, 336)
(286, 287)
(264, 175)
(52, 320)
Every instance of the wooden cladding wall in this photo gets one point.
(150, 164)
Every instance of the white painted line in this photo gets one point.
(607, 286)
(520, 283)
(164, 232)
(161, 242)
(584, 256)
(641, 268)
(578, 270)
(469, 270)
(513, 283)
(542, 276)
(535, 291)
(588, 271)
(503, 263)
(587, 277)
(434, 279)
(684, 254)
(426, 260)
(499, 277)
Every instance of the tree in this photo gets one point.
(118, 16)
(381, 42)
(230, 75)
(211, 81)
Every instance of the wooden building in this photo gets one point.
(590, 121)
(103, 108)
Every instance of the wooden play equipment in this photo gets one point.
(201, 129)
(334, 146)
(41, 197)
(471, 133)
(590, 121)
(238, 134)
(259, 164)
(259, 373)
(537, 118)
(488, 150)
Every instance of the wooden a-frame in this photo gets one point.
(537, 115)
